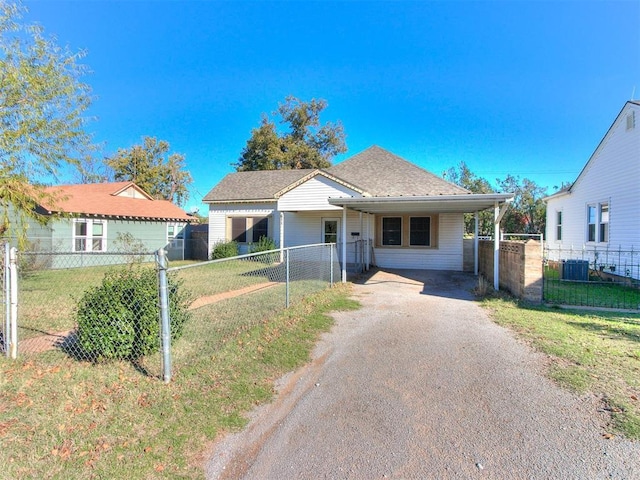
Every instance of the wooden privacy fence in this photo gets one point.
(520, 267)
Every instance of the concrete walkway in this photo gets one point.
(420, 384)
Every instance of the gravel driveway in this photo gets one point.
(420, 384)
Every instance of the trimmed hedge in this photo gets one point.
(120, 319)
(224, 250)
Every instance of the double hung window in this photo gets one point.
(89, 235)
(249, 229)
(598, 222)
(408, 231)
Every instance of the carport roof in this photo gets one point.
(460, 203)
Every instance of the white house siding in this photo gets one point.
(218, 215)
(612, 175)
(447, 256)
(304, 228)
(313, 195)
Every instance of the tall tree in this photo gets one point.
(150, 165)
(42, 102)
(306, 143)
(464, 177)
(527, 213)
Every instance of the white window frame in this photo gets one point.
(177, 239)
(89, 237)
(592, 223)
(558, 225)
(603, 225)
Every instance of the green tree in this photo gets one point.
(527, 213)
(152, 168)
(306, 144)
(464, 177)
(42, 128)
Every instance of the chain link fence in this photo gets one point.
(230, 296)
(89, 307)
(593, 277)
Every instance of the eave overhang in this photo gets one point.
(465, 203)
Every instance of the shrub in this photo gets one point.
(120, 319)
(224, 250)
(264, 245)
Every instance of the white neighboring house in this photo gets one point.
(599, 211)
(406, 216)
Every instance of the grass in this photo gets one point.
(48, 298)
(77, 420)
(596, 352)
(594, 293)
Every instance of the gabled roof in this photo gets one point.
(374, 172)
(568, 190)
(115, 199)
(383, 174)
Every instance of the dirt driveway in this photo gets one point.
(420, 384)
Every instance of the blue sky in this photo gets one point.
(527, 88)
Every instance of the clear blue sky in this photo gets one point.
(527, 88)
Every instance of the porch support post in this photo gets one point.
(368, 242)
(476, 245)
(361, 261)
(344, 244)
(496, 247)
(281, 236)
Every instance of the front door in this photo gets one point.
(330, 230)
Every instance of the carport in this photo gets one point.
(466, 203)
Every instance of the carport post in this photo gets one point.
(496, 247)
(476, 245)
(344, 244)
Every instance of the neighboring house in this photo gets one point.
(109, 218)
(600, 209)
(401, 215)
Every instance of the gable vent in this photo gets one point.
(631, 120)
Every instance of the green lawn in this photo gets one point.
(595, 293)
(593, 351)
(77, 420)
(48, 298)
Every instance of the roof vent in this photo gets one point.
(631, 120)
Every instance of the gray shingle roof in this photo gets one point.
(383, 174)
(375, 171)
(258, 185)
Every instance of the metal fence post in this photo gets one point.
(7, 302)
(287, 286)
(165, 328)
(13, 281)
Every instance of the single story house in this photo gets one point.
(599, 211)
(401, 215)
(108, 218)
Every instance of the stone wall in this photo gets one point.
(520, 267)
